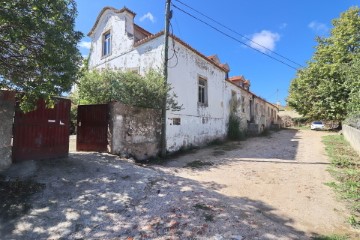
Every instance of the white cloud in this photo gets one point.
(264, 40)
(84, 44)
(318, 27)
(148, 16)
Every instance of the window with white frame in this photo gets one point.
(202, 91)
(106, 44)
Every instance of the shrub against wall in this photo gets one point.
(234, 130)
(129, 88)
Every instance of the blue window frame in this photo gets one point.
(106, 44)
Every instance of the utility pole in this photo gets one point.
(166, 56)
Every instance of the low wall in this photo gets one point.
(352, 135)
(7, 109)
(134, 131)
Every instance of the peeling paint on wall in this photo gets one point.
(134, 131)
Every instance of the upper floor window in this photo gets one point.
(202, 91)
(106, 44)
(243, 103)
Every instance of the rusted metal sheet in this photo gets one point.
(92, 128)
(43, 133)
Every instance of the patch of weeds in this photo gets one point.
(209, 217)
(229, 146)
(218, 153)
(331, 237)
(265, 133)
(234, 132)
(198, 164)
(14, 201)
(157, 161)
(202, 206)
(345, 167)
(216, 142)
(301, 127)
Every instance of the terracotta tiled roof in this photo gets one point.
(148, 38)
(237, 79)
(223, 67)
(124, 9)
(228, 80)
(140, 29)
(214, 58)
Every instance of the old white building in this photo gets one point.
(201, 83)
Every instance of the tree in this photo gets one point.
(38, 48)
(322, 90)
(352, 74)
(147, 91)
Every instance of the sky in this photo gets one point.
(267, 29)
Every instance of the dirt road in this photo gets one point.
(286, 171)
(263, 188)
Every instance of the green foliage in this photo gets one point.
(38, 48)
(234, 131)
(352, 73)
(346, 169)
(129, 88)
(323, 90)
(331, 237)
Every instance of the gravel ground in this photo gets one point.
(263, 188)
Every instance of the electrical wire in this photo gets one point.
(173, 46)
(231, 37)
(234, 31)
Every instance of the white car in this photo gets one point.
(317, 125)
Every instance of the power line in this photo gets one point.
(234, 31)
(233, 38)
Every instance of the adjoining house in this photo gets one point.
(201, 83)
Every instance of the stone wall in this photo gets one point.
(352, 135)
(7, 108)
(134, 132)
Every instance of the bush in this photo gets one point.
(234, 132)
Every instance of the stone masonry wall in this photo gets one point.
(134, 132)
(7, 108)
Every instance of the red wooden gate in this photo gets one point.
(92, 128)
(43, 133)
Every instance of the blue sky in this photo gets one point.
(287, 27)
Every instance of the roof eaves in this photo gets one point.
(227, 80)
(142, 30)
(111, 9)
(147, 39)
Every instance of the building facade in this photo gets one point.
(201, 83)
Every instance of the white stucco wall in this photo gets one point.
(199, 124)
(121, 28)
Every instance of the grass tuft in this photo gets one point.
(345, 167)
(198, 164)
(331, 237)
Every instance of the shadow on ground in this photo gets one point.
(278, 147)
(99, 196)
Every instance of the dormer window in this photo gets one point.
(106, 46)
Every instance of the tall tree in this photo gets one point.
(38, 48)
(321, 90)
